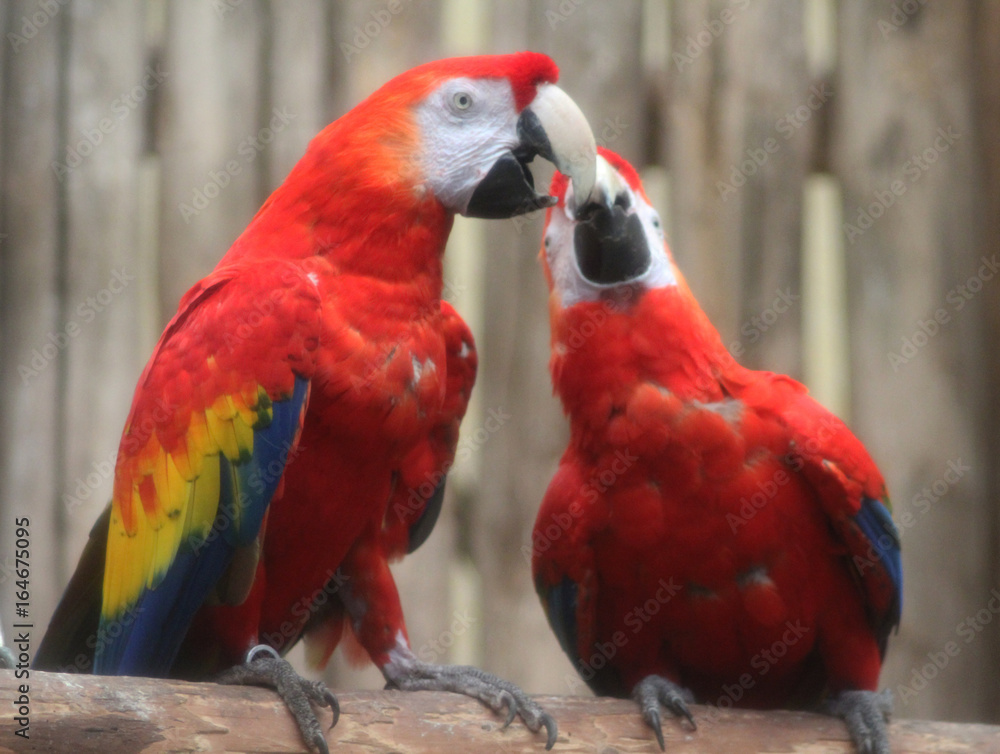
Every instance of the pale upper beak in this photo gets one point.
(553, 127)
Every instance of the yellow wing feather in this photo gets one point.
(185, 484)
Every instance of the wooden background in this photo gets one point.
(95, 255)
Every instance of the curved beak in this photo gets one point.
(609, 241)
(553, 127)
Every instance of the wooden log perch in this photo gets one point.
(107, 715)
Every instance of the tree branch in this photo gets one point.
(77, 713)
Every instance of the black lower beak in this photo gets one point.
(509, 188)
(611, 245)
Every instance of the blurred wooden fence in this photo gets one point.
(831, 177)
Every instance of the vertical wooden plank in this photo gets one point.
(908, 158)
(4, 8)
(30, 304)
(741, 116)
(825, 351)
(296, 66)
(825, 355)
(211, 135)
(986, 76)
(108, 92)
(597, 48)
(378, 41)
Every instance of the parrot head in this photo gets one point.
(609, 241)
(463, 131)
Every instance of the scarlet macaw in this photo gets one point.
(712, 532)
(281, 436)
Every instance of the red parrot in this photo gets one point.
(712, 532)
(292, 429)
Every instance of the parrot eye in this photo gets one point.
(462, 100)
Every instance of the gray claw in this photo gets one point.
(319, 744)
(654, 690)
(331, 702)
(503, 697)
(265, 668)
(866, 714)
(551, 729)
(652, 718)
(511, 709)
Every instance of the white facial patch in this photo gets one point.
(466, 125)
(567, 278)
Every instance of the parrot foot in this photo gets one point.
(264, 667)
(7, 659)
(654, 690)
(407, 673)
(866, 714)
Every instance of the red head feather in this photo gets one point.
(524, 70)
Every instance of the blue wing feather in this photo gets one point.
(421, 529)
(876, 524)
(146, 640)
(560, 608)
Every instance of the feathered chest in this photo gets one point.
(382, 371)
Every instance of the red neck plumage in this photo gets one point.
(602, 351)
(355, 199)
